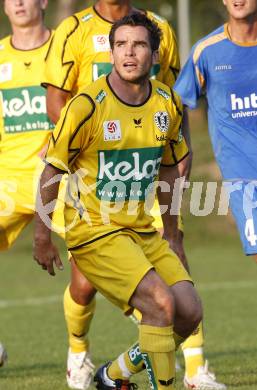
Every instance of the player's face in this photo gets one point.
(24, 13)
(241, 9)
(132, 56)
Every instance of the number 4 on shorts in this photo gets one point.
(250, 233)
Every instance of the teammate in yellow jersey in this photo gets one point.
(80, 52)
(79, 55)
(112, 173)
(24, 124)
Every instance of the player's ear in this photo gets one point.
(224, 2)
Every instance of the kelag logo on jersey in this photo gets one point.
(243, 106)
(127, 174)
(24, 109)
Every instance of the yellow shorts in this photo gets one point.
(158, 219)
(115, 264)
(17, 208)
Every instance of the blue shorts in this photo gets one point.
(243, 203)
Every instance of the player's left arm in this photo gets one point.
(171, 233)
(185, 165)
(176, 151)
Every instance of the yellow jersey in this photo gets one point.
(24, 124)
(80, 52)
(112, 152)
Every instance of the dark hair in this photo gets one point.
(138, 19)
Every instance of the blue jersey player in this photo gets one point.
(223, 66)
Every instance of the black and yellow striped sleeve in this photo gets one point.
(72, 132)
(176, 148)
(61, 65)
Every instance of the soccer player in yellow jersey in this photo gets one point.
(79, 54)
(24, 124)
(114, 139)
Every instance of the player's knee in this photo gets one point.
(163, 305)
(79, 282)
(81, 289)
(194, 315)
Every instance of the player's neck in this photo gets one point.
(113, 12)
(130, 93)
(242, 31)
(29, 38)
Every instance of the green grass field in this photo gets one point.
(33, 329)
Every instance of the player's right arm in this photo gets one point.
(62, 66)
(44, 251)
(70, 136)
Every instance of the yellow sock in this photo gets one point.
(131, 361)
(193, 351)
(178, 340)
(158, 351)
(78, 319)
(127, 364)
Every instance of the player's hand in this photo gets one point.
(46, 255)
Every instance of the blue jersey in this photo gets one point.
(226, 72)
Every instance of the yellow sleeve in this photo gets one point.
(72, 132)
(176, 148)
(169, 55)
(62, 60)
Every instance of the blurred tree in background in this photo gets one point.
(204, 15)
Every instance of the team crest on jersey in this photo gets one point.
(112, 130)
(1, 46)
(5, 72)
(162, 121)
(101, 43)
